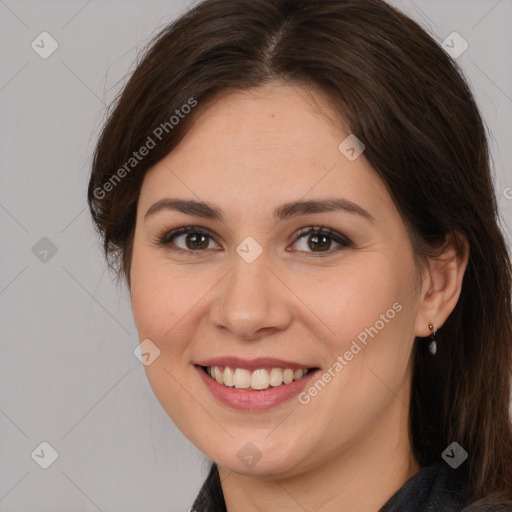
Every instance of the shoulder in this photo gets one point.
(435, 488)
(487, 505)
(439, 488)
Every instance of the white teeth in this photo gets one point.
(276, 377)
(260, 379)
(288, 376)
(218, 374)
(228, 377)
(242, 378)
(298, 374)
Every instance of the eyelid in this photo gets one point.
(166, 236)
(321, 230)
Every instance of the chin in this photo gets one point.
(260, 459)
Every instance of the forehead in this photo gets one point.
(266, 146)
(269, 117)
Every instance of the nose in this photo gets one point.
(252, 302)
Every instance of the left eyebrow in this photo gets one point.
(281, 213)
(298, 208)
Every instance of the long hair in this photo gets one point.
(410, 104)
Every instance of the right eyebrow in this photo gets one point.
(187, 206)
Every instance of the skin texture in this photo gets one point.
(248, 153)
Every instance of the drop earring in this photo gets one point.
(432, 345)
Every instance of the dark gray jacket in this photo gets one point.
(435, 488)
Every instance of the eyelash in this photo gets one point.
(164, 239)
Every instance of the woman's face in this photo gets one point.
(256, 290)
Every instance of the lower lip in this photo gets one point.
(254, 400)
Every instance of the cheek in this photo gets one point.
(156, 297)
(367, 327)
(370, 313)
(164, 302)
(347, 300)
(168, 301)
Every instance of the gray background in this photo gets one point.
(68, 375)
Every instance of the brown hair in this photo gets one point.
(405, 98)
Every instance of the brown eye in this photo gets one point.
(196, 241)
(320, 240)
(187, 239)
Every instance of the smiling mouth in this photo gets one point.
(256, 380)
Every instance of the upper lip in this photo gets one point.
(252, 364)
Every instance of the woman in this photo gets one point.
(299, 196)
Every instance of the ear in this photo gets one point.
(442, 285)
